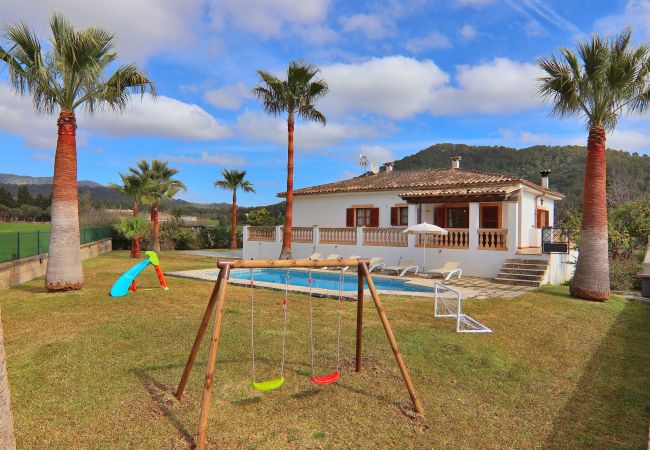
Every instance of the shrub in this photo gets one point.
(173, 236)
(623, 274)
(218, 237)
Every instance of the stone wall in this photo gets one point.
(13, 273)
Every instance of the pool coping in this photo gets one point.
(202, 275)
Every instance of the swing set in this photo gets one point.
(216, 307)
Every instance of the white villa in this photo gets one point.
(494, 223)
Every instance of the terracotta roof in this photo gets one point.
(455, 192)
(419, 180)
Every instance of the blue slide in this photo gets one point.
(121, 286)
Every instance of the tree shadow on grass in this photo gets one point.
(610, 405)
(164, 401)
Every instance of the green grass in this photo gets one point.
(6, 227)
(90, 371)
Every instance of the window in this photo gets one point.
(542, 218)
(457, 218)
(452, 217)
(490, 216)
(399, 215)
(362, 217)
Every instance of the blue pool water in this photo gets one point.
(324, 280)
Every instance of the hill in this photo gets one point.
(627, 172)
(10, 178)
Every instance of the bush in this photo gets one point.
(623, 274)
(218, 237)
(173, 236)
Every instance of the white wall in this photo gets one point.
(530, 200)
(328, 210)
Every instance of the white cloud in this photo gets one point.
(205, 158)
(268, 18)
(372, 26)
(433, 40)
(377, 154)
(254, 126)
(394, 86)
(630, 139)
(228, 97)
(467, 32)
(316, 34)
(43, 157)
(142, 27)
(497, 86)
(635, 14)
(163, 116)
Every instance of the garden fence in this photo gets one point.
(21, 244)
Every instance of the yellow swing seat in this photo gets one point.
(264, 386)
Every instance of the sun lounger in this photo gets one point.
(314, 256)
(351, 257)
(402, 267)
(376, 263)
(332, 256)
(447, 271)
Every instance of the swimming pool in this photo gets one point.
(324, 280)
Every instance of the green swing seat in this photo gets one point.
(264, 386)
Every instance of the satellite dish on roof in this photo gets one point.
(374, 168)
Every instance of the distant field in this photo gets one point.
(20, 226)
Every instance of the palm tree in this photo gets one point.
(294, 96)
(134, 228)
(136, 188)
(161, 185)
(69, 75)
(233, 180)
(605, 79)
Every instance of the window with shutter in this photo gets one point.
(490, 216)
(394, 216)
(374, 217)
(349, 217)
(440, 217)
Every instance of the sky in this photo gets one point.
(403, 75)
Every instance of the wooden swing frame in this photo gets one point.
(216, 307)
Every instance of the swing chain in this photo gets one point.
(252, 296)
(311, 325)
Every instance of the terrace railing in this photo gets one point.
(455, 238)
(303, 235)
(385, 237)
(264, 234)
(492, 239)
(343, 236)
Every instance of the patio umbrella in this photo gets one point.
(425, 228)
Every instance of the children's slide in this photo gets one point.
(121, 286)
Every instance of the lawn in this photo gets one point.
(87, 370)
(6, 227)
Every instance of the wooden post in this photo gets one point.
(359, 317)
(198, 339)
(391, 339)
(212, 356)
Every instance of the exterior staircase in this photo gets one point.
(523, 272)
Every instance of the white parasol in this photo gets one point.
(425, 228)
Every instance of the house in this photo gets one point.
(494, 222)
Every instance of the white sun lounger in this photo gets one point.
(314, 256)
(332, 256)
(376, 263)
(402, 267)
(447, 271)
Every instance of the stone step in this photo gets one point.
(535, 271)
(516, 282)
(524, 266)
(520, 276)
(543, 262)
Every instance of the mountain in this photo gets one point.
(9, 178)
(629, 172)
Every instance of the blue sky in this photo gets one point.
(403, 75)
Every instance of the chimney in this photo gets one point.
(389, 166)
(544, 173)
(455, 162)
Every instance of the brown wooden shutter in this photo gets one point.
(349, 217)
(394, 216)
(374, 217)
(542, 218)
(440, 217)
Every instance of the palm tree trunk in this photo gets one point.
(135, 242)
(591, 279)
(7, 437)
(233, 231)
(285, 253)
(64, 261)
(155, 229)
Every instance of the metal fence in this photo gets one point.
(21, 244)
